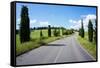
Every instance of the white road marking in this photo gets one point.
(58, 54)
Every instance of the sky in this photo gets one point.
(56, 15)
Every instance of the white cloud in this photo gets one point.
(73, 21)
(33, 21)
(44, 23)
(37, 23)
(18, 21)
(76, 24)
(87, 18)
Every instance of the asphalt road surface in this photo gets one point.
(63, 50)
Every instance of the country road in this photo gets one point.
(63, 50)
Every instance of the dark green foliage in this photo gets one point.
(24, 25)
(59, 31)
(41, 35)
(81, 30)
(49, 31)
(68, 32)
(90, 31)
(65, 32)
(17, 31)
(62, 30)
(95, 31)
(71, 31)
(41, 42)
(56, 32)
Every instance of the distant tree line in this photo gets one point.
(38, 28)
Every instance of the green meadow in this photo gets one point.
(35, 41)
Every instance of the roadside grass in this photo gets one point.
(89, 46)
(34, 42)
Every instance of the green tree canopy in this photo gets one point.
(24, 25)
(90, 31)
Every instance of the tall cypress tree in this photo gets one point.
(41, 35)
(59, 31)
(95, 31)
(62, 30)
(90, 31)
(24, 25)
(82, 30)
(54, 32)
(49, 30)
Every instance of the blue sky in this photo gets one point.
(55, 15)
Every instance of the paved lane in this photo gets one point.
(63, 50)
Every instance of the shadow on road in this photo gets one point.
(55, 45)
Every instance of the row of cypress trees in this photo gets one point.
(91, 32)
(56, 32)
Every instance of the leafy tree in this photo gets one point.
(49, 30)
(56, 32)
(90, 31)
(24, 25)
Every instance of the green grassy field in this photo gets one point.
(34, 42)
(89, 46)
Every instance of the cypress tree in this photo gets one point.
(90, 31)
(95, 31)
(24, 25)
(49, 31)
(82, 30)
(62, 30)
(54, 32)
(41, 35)
(59, 31)
(79, 32)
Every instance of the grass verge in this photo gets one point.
(35, 41)
(32, 44)
(89, 46)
